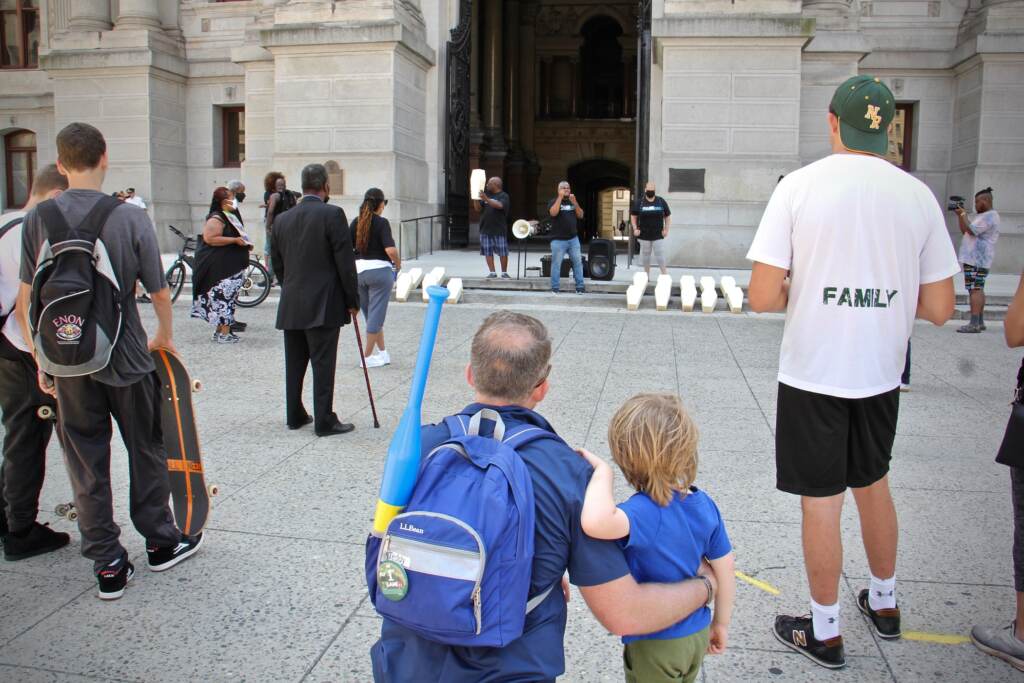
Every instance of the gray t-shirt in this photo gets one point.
(131, 244)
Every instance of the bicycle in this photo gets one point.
(255, 281)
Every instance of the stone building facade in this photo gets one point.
(193, 93)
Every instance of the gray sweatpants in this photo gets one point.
(84, 409)
(658, 247)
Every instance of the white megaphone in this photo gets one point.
(477, 182)
(522, 229)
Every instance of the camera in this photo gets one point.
(955, 202)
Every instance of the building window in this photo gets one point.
(19, 34)
(901, 137)
(233, 134)
(20, 164)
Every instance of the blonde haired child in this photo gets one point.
(666, 529)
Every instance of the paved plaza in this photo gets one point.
(277, 593)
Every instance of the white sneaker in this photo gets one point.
(384, 357)
(904, 388)
(374, 361)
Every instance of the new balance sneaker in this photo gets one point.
(506, 276)
(491, 275)
(38, 539)
(797, 633)
(885, 622)
(229, 338)
(114, 578)
(969, 328)
(162, 559)
(1001, 643)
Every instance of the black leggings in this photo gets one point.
(1017, 481)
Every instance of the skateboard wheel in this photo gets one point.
(213, 489)
(72, 516)
(62, 509)
(45, 412)
(196, 385)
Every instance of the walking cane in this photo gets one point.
(366, 375)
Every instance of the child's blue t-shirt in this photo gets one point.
(666, 545)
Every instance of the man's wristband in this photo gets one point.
(711, 590)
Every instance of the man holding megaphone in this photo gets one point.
(493, 205)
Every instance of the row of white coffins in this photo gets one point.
(687, 292)
(409, 280)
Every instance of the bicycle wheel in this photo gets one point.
(255, 285)
(176, 279)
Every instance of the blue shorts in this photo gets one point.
(493, 245)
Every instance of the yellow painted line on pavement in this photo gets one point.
(941, 638)
(757, 583)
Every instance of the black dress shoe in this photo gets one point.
(336, 428)
(305, 421)
(238, 326)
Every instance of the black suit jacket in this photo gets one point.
(312, 256)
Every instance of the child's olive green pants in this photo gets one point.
(655, 661)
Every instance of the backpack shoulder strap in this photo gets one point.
(525, 434)
(94, 221)
(9, 225)
(54, 224)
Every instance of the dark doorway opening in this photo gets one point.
(588, 180)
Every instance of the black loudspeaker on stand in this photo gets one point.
(601, 258)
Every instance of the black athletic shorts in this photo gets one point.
(825, 444)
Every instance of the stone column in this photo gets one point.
(492, 78)
(138, 14)
(527, 103)
(90, 15)
(511, 71)
(474, 66)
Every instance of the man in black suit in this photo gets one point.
(313, 259)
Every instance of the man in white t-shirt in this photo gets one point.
(131, 198)
(852, 248)
(25, 434)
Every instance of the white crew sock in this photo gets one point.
(825, 619)
(882, 594)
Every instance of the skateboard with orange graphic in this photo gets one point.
(190, 496)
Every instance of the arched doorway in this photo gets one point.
(19, 167)
(589, 179)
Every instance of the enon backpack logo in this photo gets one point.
(69, 328)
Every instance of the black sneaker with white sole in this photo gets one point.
(36, 540)
(114, 577)
(163, 558)
(797, 633)
(884, 622)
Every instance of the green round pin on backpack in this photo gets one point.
(393, 580)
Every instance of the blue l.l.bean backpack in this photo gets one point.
(455, 566)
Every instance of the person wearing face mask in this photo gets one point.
(280, 200)
(221, 260)
(237, 187)
(651, 219)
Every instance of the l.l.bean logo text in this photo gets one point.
(858, 298)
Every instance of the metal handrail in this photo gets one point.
(416, 223)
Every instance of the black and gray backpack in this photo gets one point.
(75, 309)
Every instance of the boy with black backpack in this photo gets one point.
(82, 253)
(25, 435)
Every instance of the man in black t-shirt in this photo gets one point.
(650, 216)
(493, 203)
(565, 214)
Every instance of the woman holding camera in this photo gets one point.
(377, 261)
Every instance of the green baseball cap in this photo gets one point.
(865, 107)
